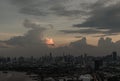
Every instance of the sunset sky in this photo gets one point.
(64, 24)
(65, 20)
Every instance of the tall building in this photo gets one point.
(98, 64)
(114, 56)
(85, 58)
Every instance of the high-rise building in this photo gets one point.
(98, 64)
(114, 56)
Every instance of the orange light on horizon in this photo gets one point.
(49, 41)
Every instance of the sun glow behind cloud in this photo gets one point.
(49, 41)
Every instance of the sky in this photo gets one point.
(59, 22)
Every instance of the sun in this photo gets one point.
(49, 41)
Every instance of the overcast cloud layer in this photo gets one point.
(81, 17)
(104, 17)
(98, 14)
(45, 7)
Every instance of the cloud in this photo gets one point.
(6, 35)
(83, 31)
(105, 46)
(33, 11)
(49, 7)
(28, 24)
(62, 11)
(21, 2)
(103, 17)
(79, 43)
(4, 45)
(33, 37)
(31, 7)
(31, 43)
(105, 35)
(78, 36)
(99, 17)
(28, 47)
(105, 42)
(91, 31)
(51, 26)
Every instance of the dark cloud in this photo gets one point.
(62, 11)
(31, 7)
(83, 31)
(33, 11)
(106, 35)
(46, 7)
(103, 17)
(92, 31)
(99, 4)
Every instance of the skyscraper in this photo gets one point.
(114, 56)
(98, 63)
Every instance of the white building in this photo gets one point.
(86, 77)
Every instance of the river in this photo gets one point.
(14, 76)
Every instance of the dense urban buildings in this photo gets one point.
(65, 67)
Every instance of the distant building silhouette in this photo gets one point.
(114, 55)
(98, 63)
